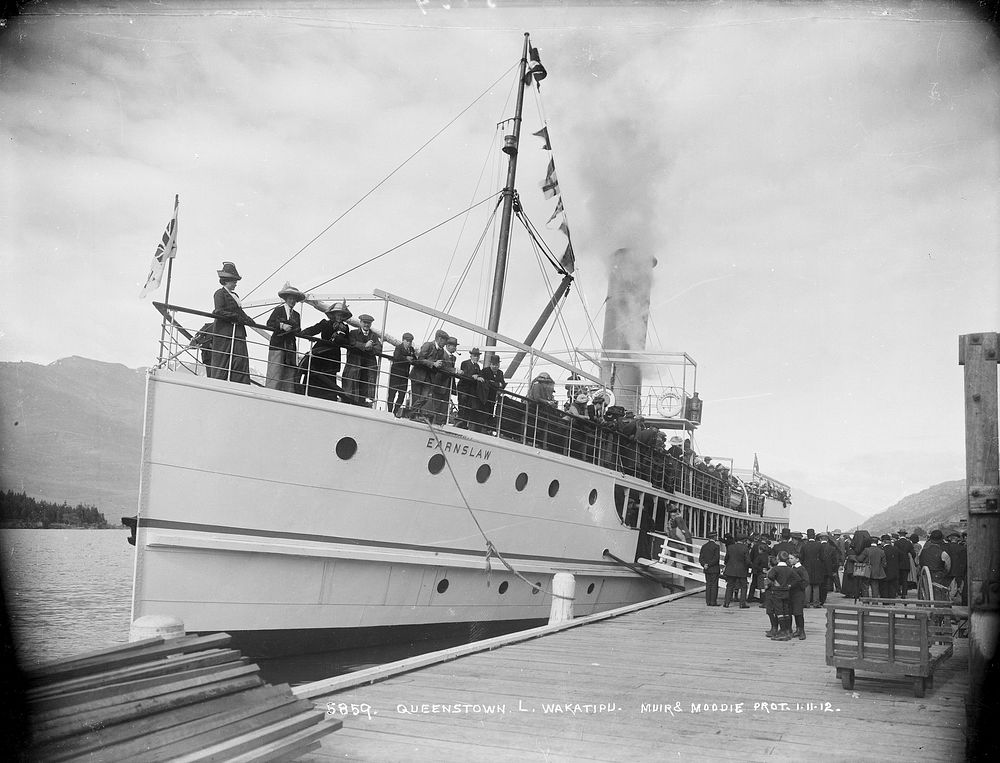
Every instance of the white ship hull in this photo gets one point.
(250, 522)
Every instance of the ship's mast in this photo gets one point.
(503, 245)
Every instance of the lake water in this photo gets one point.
(70, 591)
(67, 591)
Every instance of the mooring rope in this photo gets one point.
(491, 549)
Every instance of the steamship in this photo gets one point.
(298, 523)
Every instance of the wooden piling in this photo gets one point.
(978, 354)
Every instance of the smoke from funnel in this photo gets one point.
(626, 316)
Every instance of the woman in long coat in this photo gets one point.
(230, 360)
(284, 322)
(320, 365)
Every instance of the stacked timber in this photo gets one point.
(189, 698)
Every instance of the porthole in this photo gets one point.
(521, 482)
(593, 496)
(590, 588)
(503, 588)
(536, 587)
(436, 464)
(442, 585)
(346, 448)
(483, 473)
(553, 488)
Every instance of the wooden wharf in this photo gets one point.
(675, 680)
(181, 699)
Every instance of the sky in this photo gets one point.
(818, 182)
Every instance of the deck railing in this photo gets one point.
(499, 413)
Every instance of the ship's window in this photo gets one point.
(590, 588)
(593, 496)
(346, 448)
(503, 587)
(553, 488)
(620, 501)
(521, 482)
(443, 585)
(436, 464)
(536, 587)
(483, 473)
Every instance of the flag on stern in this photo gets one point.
(756, 466)
(166, 250)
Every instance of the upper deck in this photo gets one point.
(600, 440)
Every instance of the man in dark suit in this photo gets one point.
(495, 381)
(813, 564)
(364, 350)
(737, 568)
(890, 583)
(423, 376)
(470, 388)
(399, 372)
(708, 557)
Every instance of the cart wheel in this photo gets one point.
(918, 687)
(925, 586)
(846, 676)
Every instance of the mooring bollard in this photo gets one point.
(563, 594)
(150, 626)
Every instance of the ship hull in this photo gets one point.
(304, 525)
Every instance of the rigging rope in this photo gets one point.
(491, 549)
(383, 180)
(401, 244)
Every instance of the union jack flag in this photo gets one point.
(166, 250)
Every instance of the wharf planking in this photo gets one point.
(600, 692)
(182, 699)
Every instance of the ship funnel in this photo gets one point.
(626, 316)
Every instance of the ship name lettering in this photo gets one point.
(460, 448)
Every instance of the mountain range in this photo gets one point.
(72, 431)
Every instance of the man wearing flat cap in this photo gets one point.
(364, 350)
(399, 372)
(423, 377)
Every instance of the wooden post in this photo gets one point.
(978, 353)
(564, 592)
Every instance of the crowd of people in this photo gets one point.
(788, 574)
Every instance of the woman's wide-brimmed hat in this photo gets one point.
(229, 272)
(290, 291)
(340, 307)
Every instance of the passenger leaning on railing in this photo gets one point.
(318, 367)
(284, 322)
(495, 382)
(399, 373)
(230, 360)
(423, 377)
(364, 350)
